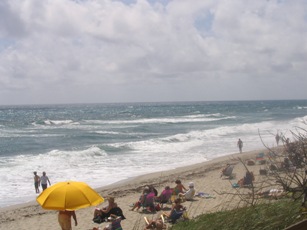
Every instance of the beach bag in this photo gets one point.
(185, 215)
(98, 219)
(250, 162)
(263, 172)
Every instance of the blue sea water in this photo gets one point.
(104, 143)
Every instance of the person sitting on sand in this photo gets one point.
(101, 214)
(165, 195)
(115, 223)
(227, 171)
(152, 189)
(157, 224)
(179, 188)
(176, 211)
(188, 195)
(247, 180)
(272, 193)
(141, 200)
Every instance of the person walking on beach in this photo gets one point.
(277, 138)
(44, 180)
(240, 145)
(36, 182)
(64, 219)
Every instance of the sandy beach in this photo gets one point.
(206, 177)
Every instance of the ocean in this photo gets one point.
(101, 144)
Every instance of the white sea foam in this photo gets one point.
(182, 119)
(58, 122)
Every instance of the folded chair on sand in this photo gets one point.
(176, 215)
(228, 172)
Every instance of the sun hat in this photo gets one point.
(191, 184)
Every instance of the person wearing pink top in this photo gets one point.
(164, 196)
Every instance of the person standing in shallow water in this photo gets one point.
(44, 180)
(36, 182)
(277, 138)
(240, 145)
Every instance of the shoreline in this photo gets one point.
(205, 175)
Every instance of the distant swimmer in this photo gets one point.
(240, 145)
(36, 182)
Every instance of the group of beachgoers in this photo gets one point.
(247, 180)
(150, 197)
(41, 180)
(150, 201)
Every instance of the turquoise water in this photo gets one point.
(105, 143)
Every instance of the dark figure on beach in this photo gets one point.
(277, 138)
(240, 145)
(36, 182)
(44, 180)
(247, 180)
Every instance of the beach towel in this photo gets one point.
(204, 195)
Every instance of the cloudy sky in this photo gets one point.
(89, 51)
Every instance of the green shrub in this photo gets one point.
(274, 215)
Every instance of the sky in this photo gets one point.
(107, 51)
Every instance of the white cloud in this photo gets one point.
(63, 51)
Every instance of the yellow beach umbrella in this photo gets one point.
(69, 195)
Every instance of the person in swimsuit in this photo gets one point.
(179, 188)
(36, 182)
(64, 218)
(240, 145)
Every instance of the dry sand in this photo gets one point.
(206, 177)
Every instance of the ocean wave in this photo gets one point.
(59, 122)
(107, 132)
(301, 107)
(298, 121)
(173, 120)
(54, 122)
(212, 140)
(93, 151)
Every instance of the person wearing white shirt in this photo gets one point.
(44, 180)
(189, 195)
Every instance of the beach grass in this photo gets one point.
(273, 215)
